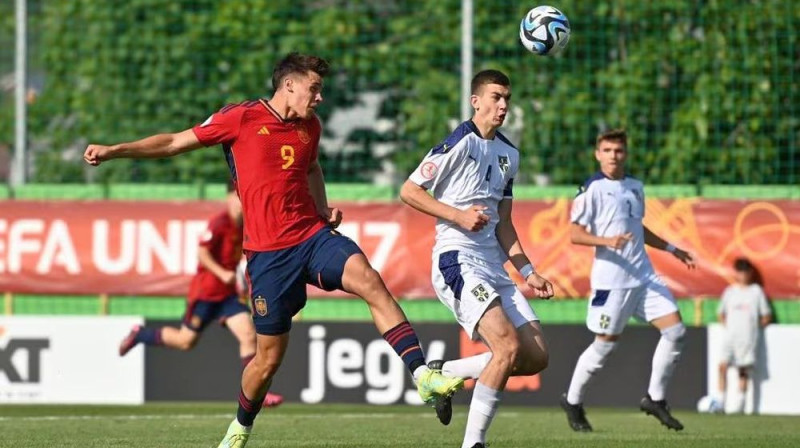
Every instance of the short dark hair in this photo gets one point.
(484, 77)
(298, 63)
(743, 265)
(614, 135)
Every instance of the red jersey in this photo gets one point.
(223, 239)
(269, 158)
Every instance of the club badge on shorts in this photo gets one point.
(605, 321)
(260, 306)
(480, 293)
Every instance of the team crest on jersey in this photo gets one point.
(504, 163)
(605, 321)
(302, 133)
(260, 306)
(480, 293)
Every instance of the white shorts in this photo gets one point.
(467, 285)
(610, 309)
(739, 352)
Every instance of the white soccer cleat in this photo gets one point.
(237, 436)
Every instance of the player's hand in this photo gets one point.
(685, 257)
(619, 241)
(540, 286)
(95, 154)
(333, 216)
(473, 218)
(228, 277)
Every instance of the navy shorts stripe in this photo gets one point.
(451, 271)
(600, 297)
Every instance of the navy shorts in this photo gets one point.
(278, 278)
(200, 313)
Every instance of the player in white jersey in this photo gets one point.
(471, 174)
(743, 310)
(607, 214)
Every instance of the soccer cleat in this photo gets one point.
(442, 404)
(432, 384)
(272, 400)
(576, 415)
(236, 437)
(660, 410)
(130, 340)
(479, 445)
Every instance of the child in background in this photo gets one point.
(743, 310)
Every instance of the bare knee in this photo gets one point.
(186, 341)
(265, 365)
(506, 352)
(531, 362)
(371, 284)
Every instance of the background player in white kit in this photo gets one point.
(607, 214)
(743, 310)
(471, 174)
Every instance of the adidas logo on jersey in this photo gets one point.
(263, 131)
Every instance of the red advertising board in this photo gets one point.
(150, 248)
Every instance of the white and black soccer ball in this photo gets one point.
(544, 31)
(709, 405)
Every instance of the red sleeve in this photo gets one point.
(213, 235)
(221, 127)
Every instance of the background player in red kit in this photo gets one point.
(212, 294)
(289, 238)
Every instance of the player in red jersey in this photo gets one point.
(212, 294)
(289, 238)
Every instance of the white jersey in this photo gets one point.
(465, 170)
(742, 307)
(609, 208)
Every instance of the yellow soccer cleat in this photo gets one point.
(432, 385)
(236, 437)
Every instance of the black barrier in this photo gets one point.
(351, 363)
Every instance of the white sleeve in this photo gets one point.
(508, 190)
(438, 164)
(583, 208)
(644, 204)
(763, 305)
(721, 309)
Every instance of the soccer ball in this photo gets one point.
(544, 31)
(709, 405)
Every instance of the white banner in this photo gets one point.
(69, 360)
(773, 388)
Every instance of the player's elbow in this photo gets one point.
(407, 192)
(575, 235)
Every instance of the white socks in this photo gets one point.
(592, 360)
(419, 371)
(666, 356)
(467, 367)
(481, 412)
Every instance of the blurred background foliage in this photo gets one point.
(707, 89)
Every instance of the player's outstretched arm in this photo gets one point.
(653, 240)
(472, 219)
(506, 235)
(153, 147)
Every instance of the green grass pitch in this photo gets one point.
(178, 425)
